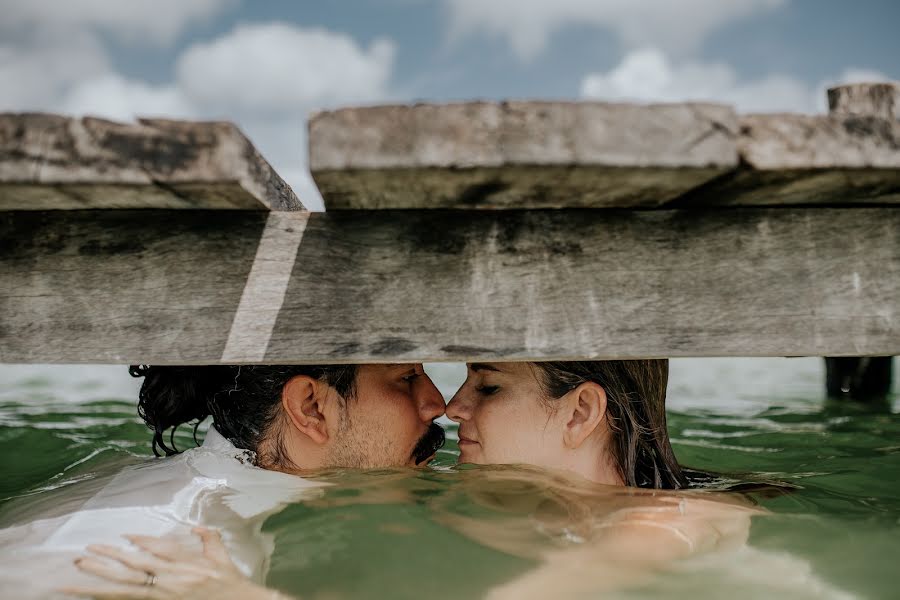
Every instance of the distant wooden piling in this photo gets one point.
(862, 379)
(866, 378)
(497, 231)
(879, 100)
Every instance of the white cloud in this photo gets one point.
(267, 77)
(648, 75)
(35, 75)
(675, 26)
(260, 73)
(117, 98)
(159, 21)
(857, 75)
(278, 67)
(264, 77)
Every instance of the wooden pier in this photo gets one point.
(484, 230)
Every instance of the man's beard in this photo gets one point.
(365, 449)
(429, 443)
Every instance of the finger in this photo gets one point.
(174, 553)
(111, 572)
(138, 562)
(119, 592)
(213, 547)
(165, 550)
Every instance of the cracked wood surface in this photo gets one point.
(474, 155)
(54, 162)
(384, 286)
(499, 155)
(518, 154)
(866, 99)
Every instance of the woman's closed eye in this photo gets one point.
(487, 390)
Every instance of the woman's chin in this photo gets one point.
(468, 454)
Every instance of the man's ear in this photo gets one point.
(303, 399)
(585, 408)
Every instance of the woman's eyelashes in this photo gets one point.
(487, 390)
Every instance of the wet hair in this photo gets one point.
(244, 402)
(635, 410)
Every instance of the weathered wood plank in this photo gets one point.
(850, 156)
(518, 154)
(265, 288)
(866, 99)
(50, 162)
(163, 286)
(119, 286)
(587, 154)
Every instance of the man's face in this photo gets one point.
(389, 422)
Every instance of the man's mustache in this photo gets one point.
(429, 443)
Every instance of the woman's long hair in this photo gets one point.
(635, 410)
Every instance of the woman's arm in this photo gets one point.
(164, 569)
(632, 548)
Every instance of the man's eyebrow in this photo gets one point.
(483, 367)
(398, 366)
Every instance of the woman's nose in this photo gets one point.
(458, 409)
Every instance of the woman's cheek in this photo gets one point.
(500, 431)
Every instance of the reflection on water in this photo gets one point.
(458, 531)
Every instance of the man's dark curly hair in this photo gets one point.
(244, 401)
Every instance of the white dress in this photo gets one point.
(213, 485)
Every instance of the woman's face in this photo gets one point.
(503, 418)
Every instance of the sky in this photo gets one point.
(267, 64)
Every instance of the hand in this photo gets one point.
(164, 569)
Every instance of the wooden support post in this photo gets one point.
(862, 378)
(880, 100)
(865, 379)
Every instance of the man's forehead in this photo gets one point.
(395, 366)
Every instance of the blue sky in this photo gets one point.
(267, 64)
(807, 39)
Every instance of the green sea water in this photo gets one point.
(397, 534)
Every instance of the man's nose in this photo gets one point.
(431, 403)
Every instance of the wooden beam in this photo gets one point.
(50, 162)
(849, 157)
(809, 160)
(866, 99)
(381, 286)
(518, 154)
(588, 154)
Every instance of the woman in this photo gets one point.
(597, 429)
(602, 420)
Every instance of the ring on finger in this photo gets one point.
(151, 579)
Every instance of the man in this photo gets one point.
(294, 418)
(271, 426)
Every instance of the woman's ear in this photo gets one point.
(585, 410)
(303, 399)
